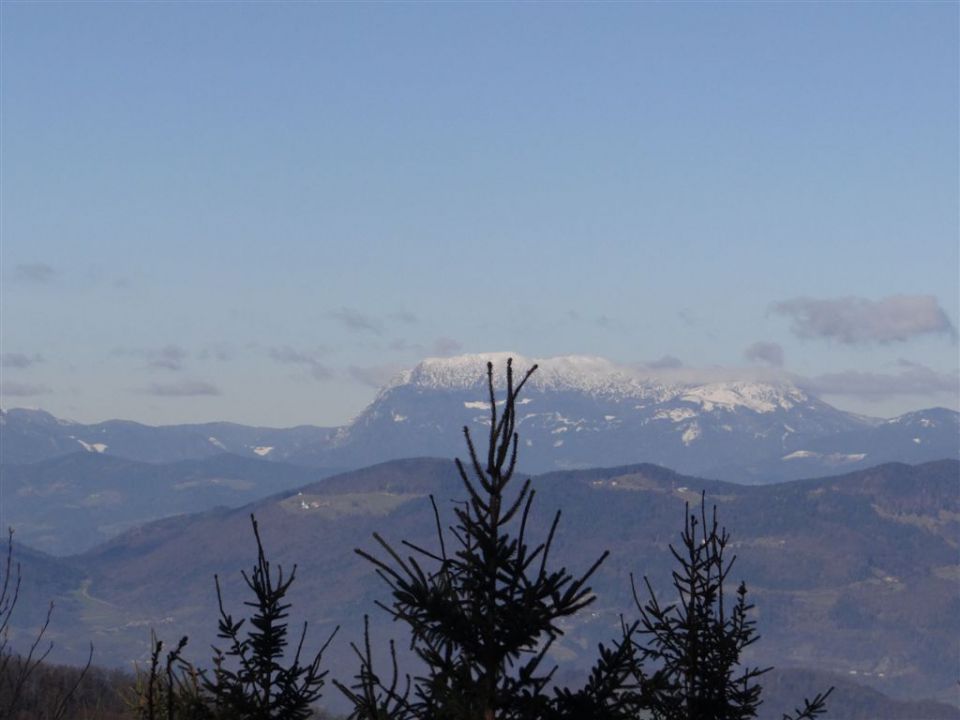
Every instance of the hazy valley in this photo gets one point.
(853, 574)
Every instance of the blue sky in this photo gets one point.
(258, 211)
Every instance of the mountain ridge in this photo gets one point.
(577, 411)
(861, 567)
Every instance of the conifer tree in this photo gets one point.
(483, 607)
(695, 643)
(254, 677)
(484, 613)
(250, 679)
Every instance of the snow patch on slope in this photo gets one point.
(91, 447)
(675, 414)
(691, 433)
(757, 397)
(800, 454)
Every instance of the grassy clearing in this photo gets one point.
(331, 507)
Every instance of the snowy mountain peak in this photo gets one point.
(930, 417)
(598, 377)
(460, 372)
(758, 397)
(577, 373)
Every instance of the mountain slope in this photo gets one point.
(28, 436)
(853, 574)
(70, 503)
(585, 411)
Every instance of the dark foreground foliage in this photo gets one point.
(695, 643)
(483, 610)
(255, 676)
(28, 688)
(484, 617)
(70, 693)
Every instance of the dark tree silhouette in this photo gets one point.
(261, 687)
(249, 679)
(483, 606)
(484, 613)
(695, 643)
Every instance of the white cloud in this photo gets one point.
(857, 320)
(913, 379)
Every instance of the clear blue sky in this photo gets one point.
(256, 211)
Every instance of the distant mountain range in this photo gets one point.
(70, 503)
(577, 412)
(28, 436)
(853, 574)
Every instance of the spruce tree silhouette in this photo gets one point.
(250, 679)
(695, 643)
(484, 615)
(254, 677)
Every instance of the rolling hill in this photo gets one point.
(853, 574)
(70, 503)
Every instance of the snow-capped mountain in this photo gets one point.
(586, 411)
(28, 436)
(575, 411)
(576, 373)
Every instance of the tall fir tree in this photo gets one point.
(483, 607)
(254, 677)
(689, 652)
(483, 615)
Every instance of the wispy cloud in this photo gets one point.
(356, 321)
(445, 346)
(402, 316)
(375, 376)
(913, 379)
(610, 323)
(182, 388)
(857, 320)
(19, 360)
(908, 379)
(768, 352)
(309, 360)
(223, 352)
(10, 388)
(694, 375)
(404, 345)
(37, 272)
(664, 363)
(688, 317)
(169, 357)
